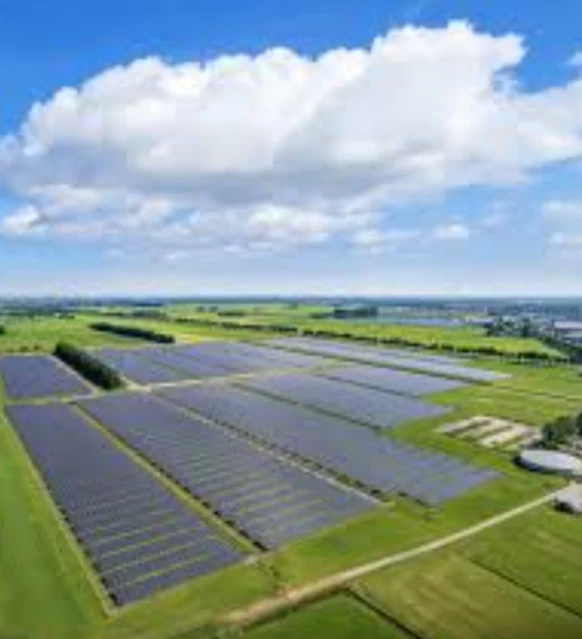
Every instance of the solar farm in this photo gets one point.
(433, 364)
(221, 453)
(39, 376)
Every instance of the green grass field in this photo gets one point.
(42, 333)
(340, 617)
(462, 337)
(45, 585)
(520, 579)
(540, 552)
(446, 596)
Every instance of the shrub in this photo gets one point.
(134, 331)
(88, 366)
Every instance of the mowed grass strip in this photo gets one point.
(339, 617)
(507, 403)
(446, 596)
(541, 551)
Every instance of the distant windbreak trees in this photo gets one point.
(133, 331)
(88, 366)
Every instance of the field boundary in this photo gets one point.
(526, 588)
(290, 598)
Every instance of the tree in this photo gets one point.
(559, 430)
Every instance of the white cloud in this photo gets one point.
(576, 59)
(291, 226)
(374, 238)
(23, 221)
(454, 231)
(283, 149)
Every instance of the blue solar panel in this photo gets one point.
(76, 459)
(139, 369)
(391, 380)
(175, 358)
(436, 365)
(145, 587)
(36, 376)
(334, 444)
(239, 472)
(365, 405)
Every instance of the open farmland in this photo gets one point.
(301, 319)
(342, 617)
(254, 472)
(446, 596)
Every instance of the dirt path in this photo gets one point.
(267, 607)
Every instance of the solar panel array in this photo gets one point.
(220, 356)
(389, 357)
(279, 357)
(268, 499)
(238, 357)
(138, 535)
(170, 364)
(134, 366)
(392, 380)
(39, 376)
(344, 448)
(366, 405)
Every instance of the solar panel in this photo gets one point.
(392, 380)
(137, 368)
(154, 548)
(145, 587)
(74, 458)
(174, 357)
(334, 444)
(226, 359)
(365, 405)
(39, 376)
(146, 423)
(436, 365)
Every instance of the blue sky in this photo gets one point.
(368, 147)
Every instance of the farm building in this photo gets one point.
(548, 461)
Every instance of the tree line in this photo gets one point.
(133, 331)
(386, 340)
(88, 366)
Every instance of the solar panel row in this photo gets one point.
(168, 364)
(268, 499)
(36, 376)
(392, 380)
(337, 445)
(366, 405)
(135, 367)
(138, 535)
(389, 357)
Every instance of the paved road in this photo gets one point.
(290, 598)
